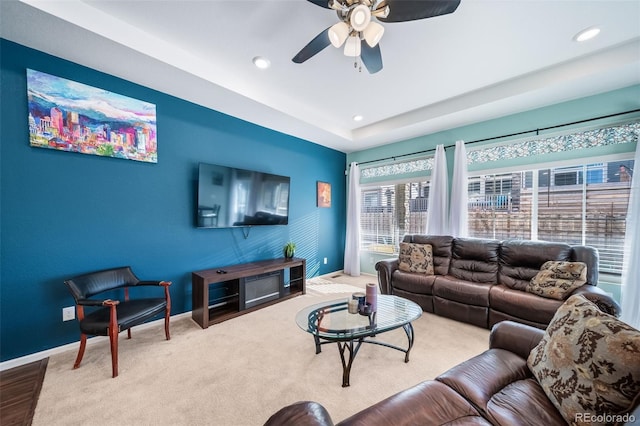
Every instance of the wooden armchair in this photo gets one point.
(110, 317)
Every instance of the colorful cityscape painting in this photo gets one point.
(70, 116)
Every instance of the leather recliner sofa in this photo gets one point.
(483, 281)
(494, 387)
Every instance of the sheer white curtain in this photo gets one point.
(352, 240)
(437, 215)
(631, 264)
(458, 208)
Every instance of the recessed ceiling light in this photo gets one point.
(587, 34)
(261, 62)
(357, 117)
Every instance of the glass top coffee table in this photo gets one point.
(330, 322)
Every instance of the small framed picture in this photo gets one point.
(324, 194)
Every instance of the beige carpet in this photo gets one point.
(241, 371)
(325, 286)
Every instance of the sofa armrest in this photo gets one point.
(303, 413)
(515, 337)
(598, 296)
(591, 257)
(385, 269)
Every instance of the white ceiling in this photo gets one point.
(488, 59)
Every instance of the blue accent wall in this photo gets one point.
(64, 214)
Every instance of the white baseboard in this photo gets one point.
(17, 362)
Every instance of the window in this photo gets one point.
(567, 178)
(495, 211)
(579, 204)
(563, 208)
(389, 211)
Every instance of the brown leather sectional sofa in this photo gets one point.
(495, 387)
(483, 281)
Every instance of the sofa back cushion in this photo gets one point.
(521, 260)
(440, 248)
(475, 259)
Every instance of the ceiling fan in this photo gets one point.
(357, 25)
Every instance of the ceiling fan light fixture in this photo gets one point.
(352, 46)
(360, 17)
(338, 34)
(373, 33)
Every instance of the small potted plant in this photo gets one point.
(289, 249)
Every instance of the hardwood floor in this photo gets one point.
(19, 391)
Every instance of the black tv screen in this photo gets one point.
(229, 197)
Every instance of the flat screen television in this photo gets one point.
(231, 197)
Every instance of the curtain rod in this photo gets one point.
(506, 136)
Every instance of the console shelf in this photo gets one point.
(232, 284)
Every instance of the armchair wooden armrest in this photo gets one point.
(90, 302)
(152, 283)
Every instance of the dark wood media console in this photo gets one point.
(231, 285)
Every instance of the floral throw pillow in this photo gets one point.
(588, 364)
(416, 258)
(558, 279)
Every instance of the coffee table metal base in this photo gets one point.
(352, 346)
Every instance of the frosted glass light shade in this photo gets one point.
(373, 33)
(338, 34)
(360, 17)
(352, 46)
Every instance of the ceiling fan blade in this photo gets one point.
(321, 3)
(411, 10)
(371, 58)
(314, 46)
